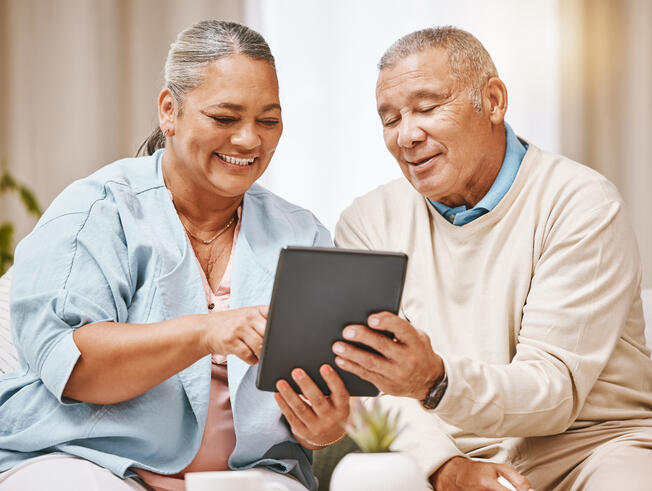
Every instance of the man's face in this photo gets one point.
(431, 127)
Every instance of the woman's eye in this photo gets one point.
(270, 123)
(223, 119)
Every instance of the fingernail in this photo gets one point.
(339, 361)
(338, 348)
(297, 374)
(326, 369)
(373, 321)
(281, 384)
(348, 333)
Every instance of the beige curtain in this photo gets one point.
(606, 102)
(79, 81)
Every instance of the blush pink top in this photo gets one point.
(218, 440)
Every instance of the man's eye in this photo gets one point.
(427, 109)
(388, 123)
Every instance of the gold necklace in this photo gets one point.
(230, 222)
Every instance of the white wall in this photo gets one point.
(332, 148)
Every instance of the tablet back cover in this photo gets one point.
(317, 292)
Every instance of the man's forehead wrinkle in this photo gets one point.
(398, 78)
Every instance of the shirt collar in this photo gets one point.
(514, 153)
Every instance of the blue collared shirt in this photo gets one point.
(514, 153)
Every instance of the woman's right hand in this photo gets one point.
(237, 332)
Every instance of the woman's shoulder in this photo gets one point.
(276, 208)
(274, 216)
(123, 179)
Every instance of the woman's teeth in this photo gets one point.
(236, 161)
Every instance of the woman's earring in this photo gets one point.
(166, 132)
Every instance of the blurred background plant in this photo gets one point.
(373, 428)
(8, 184)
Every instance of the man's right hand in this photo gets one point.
(462, 474)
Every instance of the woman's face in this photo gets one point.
(228, 127)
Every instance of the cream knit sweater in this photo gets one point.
(535, 308)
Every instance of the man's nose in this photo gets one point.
(409, 133)
(246, 137)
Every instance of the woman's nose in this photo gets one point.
(246, 137)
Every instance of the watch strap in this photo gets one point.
(435, 393)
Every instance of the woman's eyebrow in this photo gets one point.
(227, 105)
(269, 107)
(240, 107)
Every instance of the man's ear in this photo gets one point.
(494, 100)
(166, 111)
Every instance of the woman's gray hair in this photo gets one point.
(194, 48)
(468, 60)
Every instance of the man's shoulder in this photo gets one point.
(393, 197)
(567, 181)
(375, 219)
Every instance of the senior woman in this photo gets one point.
(137, 302)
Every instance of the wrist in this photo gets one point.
(437, 373)
(316, 446)
(436, 393)
(438, 478)
(201, 324)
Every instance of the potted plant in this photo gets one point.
(9, 184)
(376, 467)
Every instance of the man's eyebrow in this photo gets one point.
(383, 108)
(239, 107)
(429, 94)
(417, 95)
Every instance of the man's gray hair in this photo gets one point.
(196, 47)
(468, 60)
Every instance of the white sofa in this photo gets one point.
(9, 359)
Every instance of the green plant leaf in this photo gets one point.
(30, 202)
(7, 182)
(6, 234)
(6, 256)
(372, 428)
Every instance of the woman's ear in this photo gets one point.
(495, 100)
(166, 112)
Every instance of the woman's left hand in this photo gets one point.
(318, 420)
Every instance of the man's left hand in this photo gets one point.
(404, 366)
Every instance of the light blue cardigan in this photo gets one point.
(111, 248)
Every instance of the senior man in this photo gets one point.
(519, 350)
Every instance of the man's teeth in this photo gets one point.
(236, 161)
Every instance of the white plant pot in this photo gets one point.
(392, 471)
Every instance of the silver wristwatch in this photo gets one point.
(435, 393)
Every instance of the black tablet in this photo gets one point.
(317, 292)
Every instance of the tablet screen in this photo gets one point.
(317, 292)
